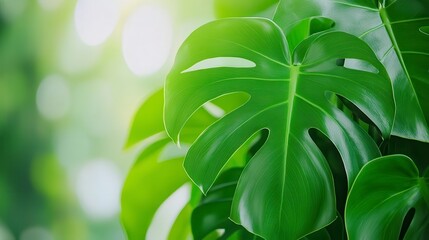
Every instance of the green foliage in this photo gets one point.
(392, 187)
(304, 104)
(213, 211)
(395, 32)
(297, 84)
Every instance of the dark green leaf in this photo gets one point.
(214, 210)
(384, 191)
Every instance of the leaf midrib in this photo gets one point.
(294, 73)
(388, 25)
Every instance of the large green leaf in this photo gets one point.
(288, 182)
(384, 191)
(396, 32)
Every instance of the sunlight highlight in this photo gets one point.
(36, 233)
(5, 233)
(98, 188)
(50, 5)
(147, 39)
(96, 19)
(53, 97)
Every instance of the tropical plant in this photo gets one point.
(310, 125)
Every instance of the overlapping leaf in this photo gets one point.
(288, 182)
(213, 211)
(152, 180)
(148, 185)
(397, 32)
(384, 192)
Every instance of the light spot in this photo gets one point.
(36, 233)
(167, 213)
(12, 9)
(98, 97)
(53, 97)
(74, 56)
(72, 146)
(95, 20)
(5, 233)
(98, 187)
(50, 5)
(147, 39)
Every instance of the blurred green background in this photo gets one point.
(72, 75)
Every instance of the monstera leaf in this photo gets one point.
(288, 182)
(397, 31)
(384, 192)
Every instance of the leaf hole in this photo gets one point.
(212, 110)
(219, 62)
(258, 142)
(354, 113)
(357, 64)
(320, 24)
(248, 149)
(340, 62)
(336, 165)
(407, 222)
(224, 104)
(424, 30)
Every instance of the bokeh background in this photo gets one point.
(72, 75)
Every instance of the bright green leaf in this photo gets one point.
(148, 185)
(182, 226)
(397, 31)
(148, 119)
(288, 182)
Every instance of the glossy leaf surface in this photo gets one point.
(395, 30)
(384, 191)
(288, 182)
